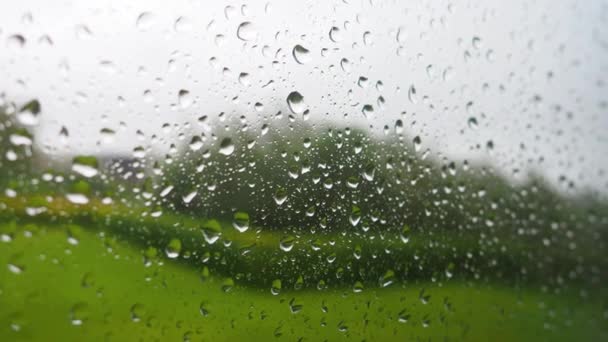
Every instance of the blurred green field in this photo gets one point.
(50, 283)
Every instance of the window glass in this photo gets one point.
(303, 170)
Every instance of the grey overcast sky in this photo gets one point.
(532, 74)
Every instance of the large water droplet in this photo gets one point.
(173, 248)
(226, 146)
(301, 54)
(184, 98)
(295, 101)
(280, 196)
(211, 231)
(246, 31)
(85, 166)
(335, 34)
(241, 221)
(286, 243)
(15, 41)
(144, 21)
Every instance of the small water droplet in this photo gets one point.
(411, 94)
(405, 234)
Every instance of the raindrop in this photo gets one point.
(246, 31)
(138, 311)
(182, 24)
(417, 143)
(241, 221)
(411, 94)
(388, 278)
(472, 122)
(195, 143)
(15, 41)
(144, 21)
(212, 230)
(295, 101)
(335, 35)
(173, 248)
(79, 313)
(275, 289)
(405, 234)
(28, 114)
(85, 166)
(184, 98)
(286, 243)
(226, 146)
(301, 54)
(367, 110)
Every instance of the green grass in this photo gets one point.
(41, 297)
(255, 255)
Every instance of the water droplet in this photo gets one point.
(367, 110)
(295, 101)
(399, 126)
(286, 243)
(195, 143)
(355, 215)
(212, 230)
(275, 289)
(77, 198)
(411, 94)
(85, 166)
(173, 248)
(335, 34)
(369, 172)
(241, 221)
(388, 278)
(189, 197)
(405, 234)
(182, 24)
(226, 146)
(403, 316)
(472, 122)
(295, 307)
(227, 285)
(203, 309)
(417, 143)
(21, 138)
(301, 54)
(246, 31)
(144, 21)
(363, 82)
(88, 280)
(184, 98)
(15, 41)
(138, 312)
(79, 313)
(28, 114)
(244, 79)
